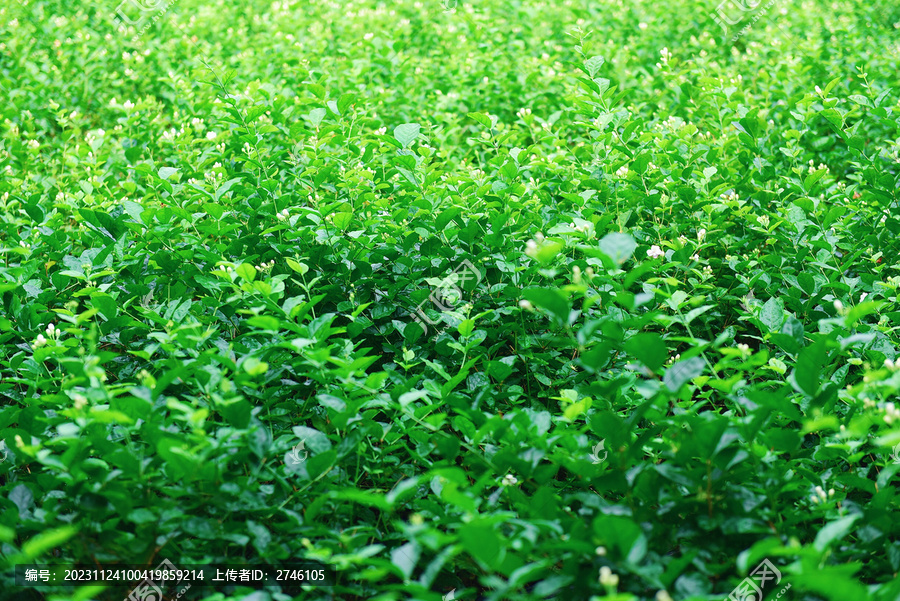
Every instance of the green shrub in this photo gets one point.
(513, 299)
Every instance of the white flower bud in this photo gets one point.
(607, 578)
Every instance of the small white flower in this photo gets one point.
(211, 135)
(655, 252)
(526, 304)
(607, 578)
(891, 413)
(509, 480)
(39, 341)
(701, 234)
(821, 494)
(600, 551)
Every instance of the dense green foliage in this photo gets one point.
(527, 312)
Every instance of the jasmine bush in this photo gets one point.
(495, 299)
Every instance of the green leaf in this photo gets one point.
(235, 411)
(618, 246)
(772, 314)
(834, 531)
(833, 583)
(167, 172)
(649, 349)
(180, 462)
(246, 271)
(683, 372)
(547, 251)
(482, 119)
(860, 100)
(834, 118)
(466, 327)
(22, 497)
(45, 541)
(481, 541)
(261, 536)
(254, 366)
(593, 64)
(502, 369)
(623, 535)
(342, 220)
(313, 439)
(406, 134)
(812, 178)
(551, 300)
(300, 268)
(316, 116)
(405, 558)
(808, 369)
